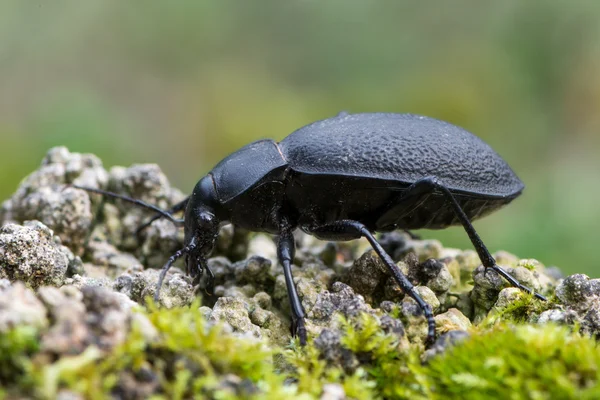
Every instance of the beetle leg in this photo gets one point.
(431, 184)
(210, 282)
(351, 229)
(285, 253)
(163, 272)
(176, 208)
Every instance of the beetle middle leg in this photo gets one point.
(429, 185)
(285, 253)
(348, 229)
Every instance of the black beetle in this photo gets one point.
(343, 178)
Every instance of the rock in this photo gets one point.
(30, 254)
(65, 210)
(341, 299)
(43, 196)
(557, 316)
(412, 316)
(443, 343)
(20, 307)
(222, 269)
(331, 350)
(508, 296)
(236, 313)
(176, 291)
(80, 282)
(263, 246)
(161, 240)
(484, 295)
(366, 275)
(333, 391)
(451, 320)
(578, 290)
(90, 316)
(254, 270)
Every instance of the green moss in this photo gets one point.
(546, 362)
(17, 346)
(187, 358)
(523, 308)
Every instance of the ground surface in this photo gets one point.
(77, 320)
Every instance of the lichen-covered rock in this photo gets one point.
(161, 240)
(366, 275)
(557, 316)
(484, 295)
(254, 270)
(30, 254)
(236, 313)
(412, 315)
(43, 196)
(451, 320)
(104, 254)
(66, 210)
(80, 282)
(508, 296)
(176, 290)
(90, 316)
(20, 307)
(329, 343)
(444, 342)
(578, 291)
(340, 299)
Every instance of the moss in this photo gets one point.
(189, 358)
(515, 362)
(520, 309)
(17, 346)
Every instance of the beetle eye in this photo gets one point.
(206, 218)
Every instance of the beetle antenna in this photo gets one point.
(176, 208)
(169, 264)
(137, 202)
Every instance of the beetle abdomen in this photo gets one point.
(400, 147)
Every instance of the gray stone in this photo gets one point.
(28, 253)
(366, 275)
(176, 291)
(451, 320)
(20, 307)
(444, 342)
(236, 313)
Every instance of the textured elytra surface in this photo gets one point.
(401, 147)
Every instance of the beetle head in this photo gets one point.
(201, 225)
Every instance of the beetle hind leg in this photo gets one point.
(430, 184)
(348, 229)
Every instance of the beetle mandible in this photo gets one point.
(343, 178)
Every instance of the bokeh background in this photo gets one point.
(183, 83)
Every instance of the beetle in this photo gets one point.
(344, 178)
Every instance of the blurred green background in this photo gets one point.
(183, 83)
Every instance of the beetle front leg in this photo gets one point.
(285, 253)
(348, 229)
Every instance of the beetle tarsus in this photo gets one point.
(516, 283)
